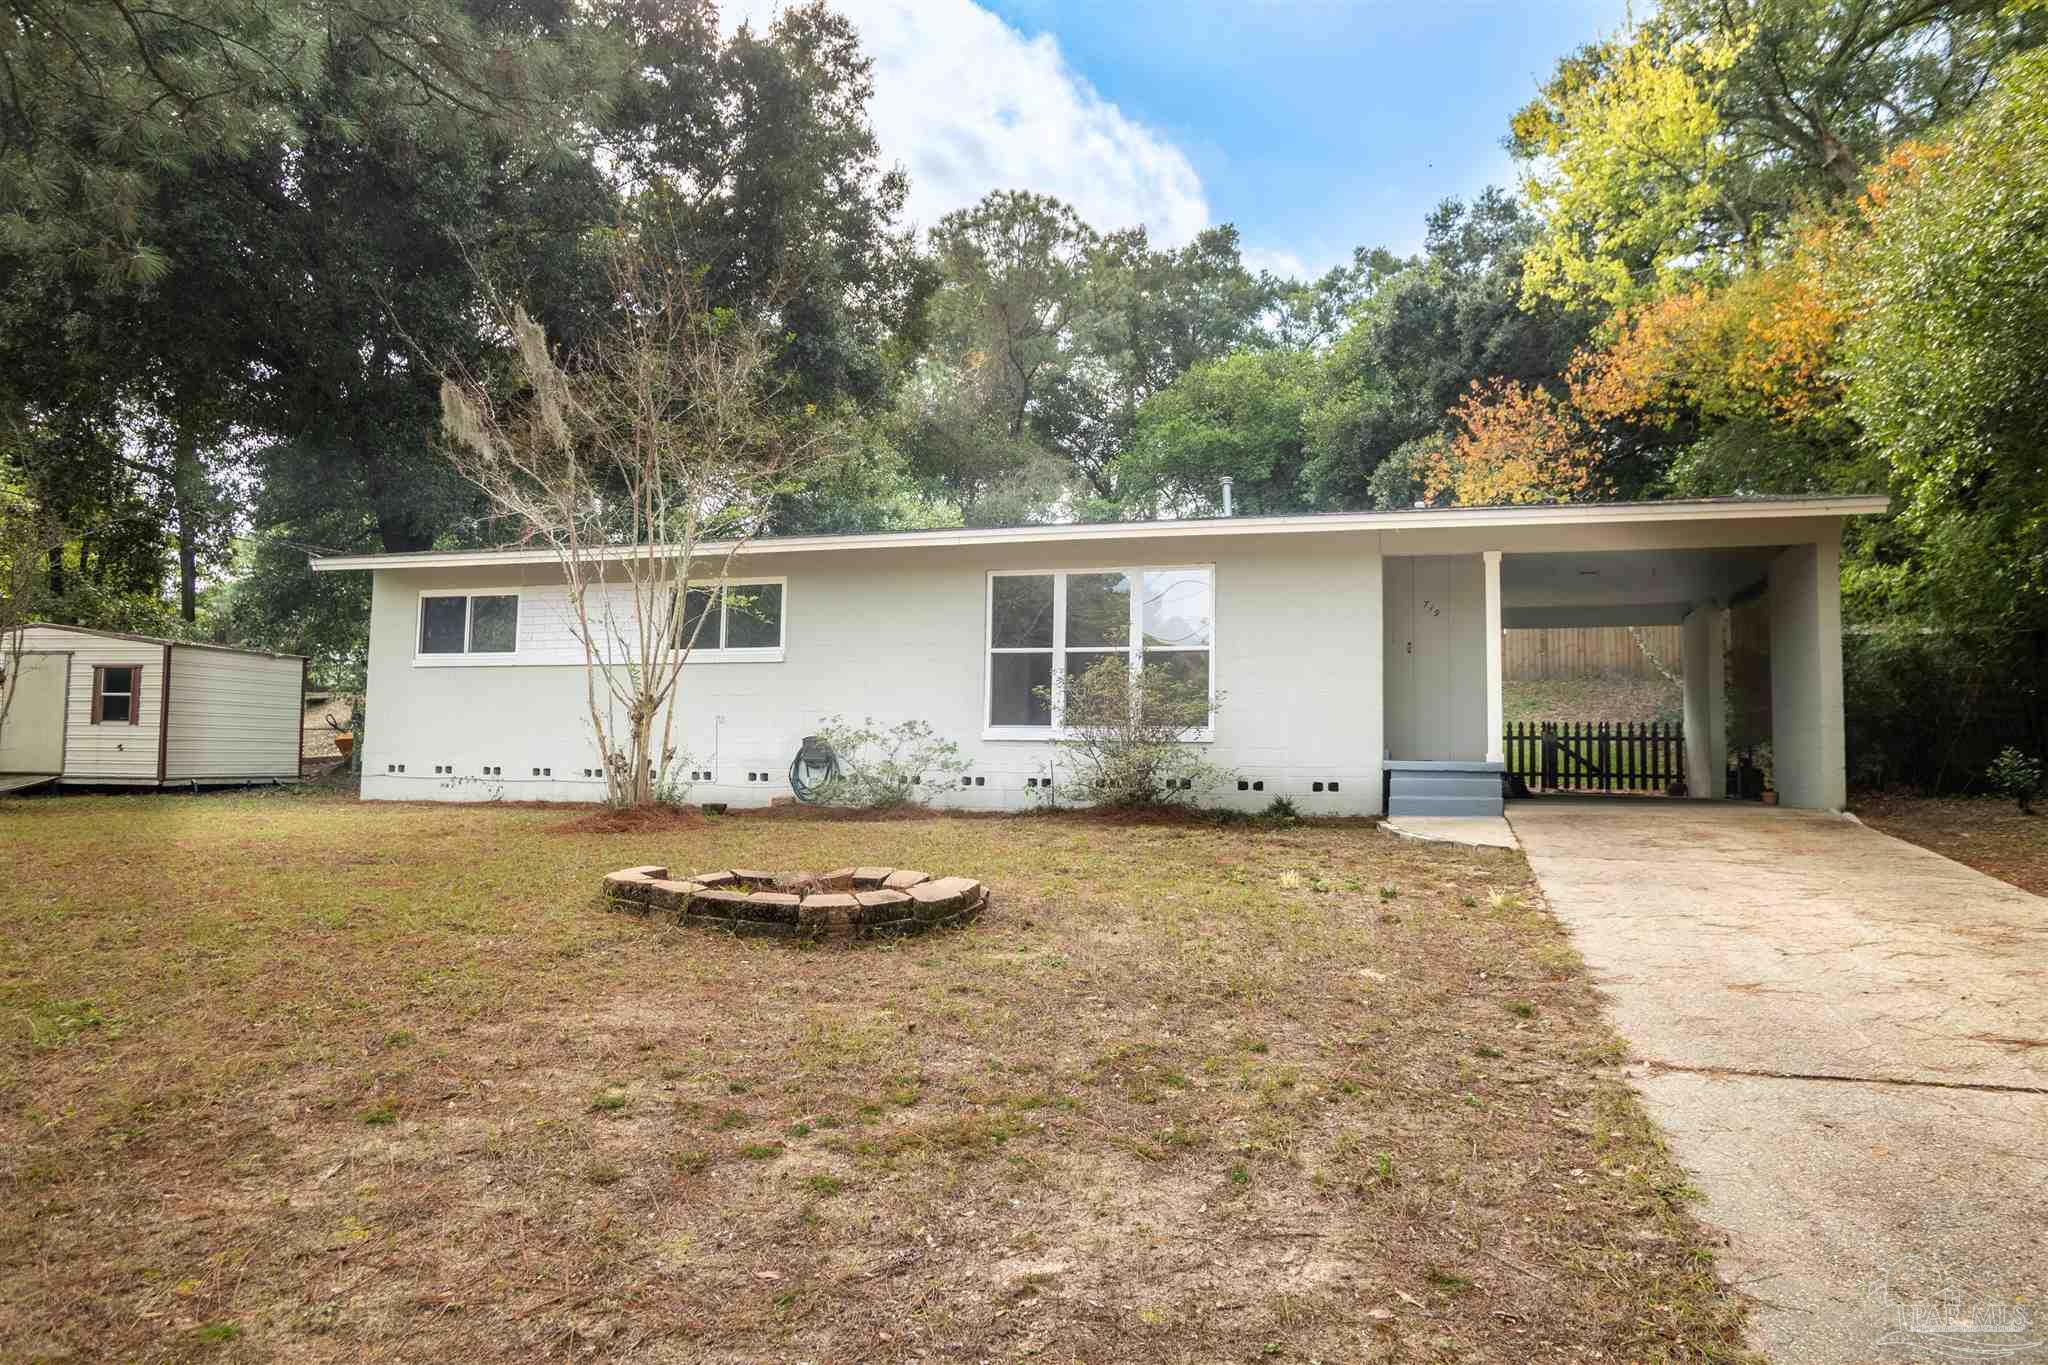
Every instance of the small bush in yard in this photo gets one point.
(1127, 737)
(880, 769)
(2017, 776)
(1281, 812)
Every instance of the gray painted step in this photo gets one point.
(1449, 784)
(1442, 765)
(1443, 789)
(15, 782)
(1443, 805)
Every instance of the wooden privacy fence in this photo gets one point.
(1600, 756)
(1551, 653)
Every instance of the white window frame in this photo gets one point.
(752, 654)
(422, 659)
(523, 655)
(1134, 650)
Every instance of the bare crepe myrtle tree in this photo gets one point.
(645, 460)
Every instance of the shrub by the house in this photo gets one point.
(878, 769)
(1127, 738)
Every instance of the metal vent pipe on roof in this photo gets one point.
(1226, 496)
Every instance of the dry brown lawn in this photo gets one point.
(288, 1077)
(1985, 833)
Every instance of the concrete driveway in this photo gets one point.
(1846, 1039)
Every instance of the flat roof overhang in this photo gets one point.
(1562, 588)
(1702, 512)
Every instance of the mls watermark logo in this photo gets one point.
(1954, 1324)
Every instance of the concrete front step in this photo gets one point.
(1444, 805)
(1480, 785)
(1443, 788)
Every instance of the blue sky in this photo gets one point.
(1314, 125)
(1317, 125)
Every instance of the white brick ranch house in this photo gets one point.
(1345, 647)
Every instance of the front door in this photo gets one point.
(32, 737)
(1435, 695)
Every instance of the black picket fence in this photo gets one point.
(1603, 756)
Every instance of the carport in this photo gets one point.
(1628, 564)
(1696, 589)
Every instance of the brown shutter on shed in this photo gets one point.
(135, 696)
(97, 672)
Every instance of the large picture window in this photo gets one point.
(469, 623)
(1047, 626)
(732, 621)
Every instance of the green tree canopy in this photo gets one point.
(1425, 334)
(106, 105)
(310, 250)
(1946, 350)
(1047, 339)
(1683, 145)
(1245, 416)
(1146, 316)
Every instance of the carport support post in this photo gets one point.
(1807, 758)
(1705, 638)
(1496, 744)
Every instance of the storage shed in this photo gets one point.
(96, 708)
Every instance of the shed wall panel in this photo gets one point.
(116, 752)
(232, 716)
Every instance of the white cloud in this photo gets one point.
(1285, 264)
(967, 104)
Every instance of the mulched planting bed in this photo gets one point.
(1983, 832)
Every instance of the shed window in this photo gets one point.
(471, 623)
(115, 694)
(1048, 628)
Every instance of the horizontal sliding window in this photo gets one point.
(733, 616)
(493, 625)
(469, 623)
(1048, 627)
(703, 625)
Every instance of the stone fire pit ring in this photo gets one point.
(848, 902)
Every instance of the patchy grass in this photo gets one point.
(1986, 833)
(291, 1077)
(1593, 699)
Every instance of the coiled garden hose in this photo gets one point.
(814, 765)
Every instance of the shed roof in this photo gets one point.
(158, 640)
